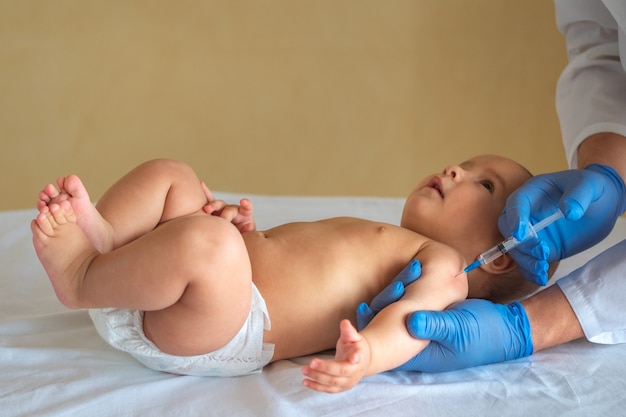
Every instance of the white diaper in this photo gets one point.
(244, 354)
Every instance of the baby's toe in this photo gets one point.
(58, 215)
(49, 191)
(46, 223)
(68, 211)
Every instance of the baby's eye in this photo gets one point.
(488, 185)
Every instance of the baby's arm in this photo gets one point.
(240, 215)
(385, 343)
(346, 370)
(377, 348)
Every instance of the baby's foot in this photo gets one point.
(53, 195)
(71, 189)
(63, 249)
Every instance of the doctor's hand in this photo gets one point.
(471, 333)
(591, 200)
(392, 293)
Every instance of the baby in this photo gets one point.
(186, 284)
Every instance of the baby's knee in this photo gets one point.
(214, 244)
(170, 168)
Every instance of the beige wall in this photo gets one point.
(357, 97)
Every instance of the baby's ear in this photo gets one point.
(501, 265)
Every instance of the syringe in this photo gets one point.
(509, 243)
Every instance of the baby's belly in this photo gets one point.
(313, 275)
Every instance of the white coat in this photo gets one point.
(591, 98)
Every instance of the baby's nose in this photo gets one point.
(453, 171)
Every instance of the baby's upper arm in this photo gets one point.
(440, 285)
(442, 281)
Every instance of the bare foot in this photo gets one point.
(63, 249)
(71, 189)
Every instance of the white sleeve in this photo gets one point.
(591, 92)
(596, 292)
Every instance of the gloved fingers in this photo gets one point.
(410, 273)
(438, 326)
(588, 186)
(532, 261)
(392, 293)
(472, 332)
(364, 315)
(577, 197)
(447, 326)
(395, 290)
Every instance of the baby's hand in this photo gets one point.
(207, 192)
(348, 367)
(240, 215)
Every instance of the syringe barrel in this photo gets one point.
(510, 243)
(498, 250)
(491, 254)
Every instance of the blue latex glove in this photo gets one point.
(471, 333)
(591, 200)
(392, 293)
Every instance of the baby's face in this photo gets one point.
(460, 206)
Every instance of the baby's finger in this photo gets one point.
(330, 372)
(321, 381)
(316, 386)
(229, 213)
(246, 206)
(214, 206)
(207, 192)
(348, 334)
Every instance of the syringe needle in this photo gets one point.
(509, 243)
(471, 266)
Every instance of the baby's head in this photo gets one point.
(460, 207)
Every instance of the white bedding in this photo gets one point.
(53, 363)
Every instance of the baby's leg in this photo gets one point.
(215, 302)
(152, 193)
(72, 191)
(62, 247)
(191, 276)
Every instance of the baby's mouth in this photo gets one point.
(435, 183)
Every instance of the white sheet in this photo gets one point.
(53, 363)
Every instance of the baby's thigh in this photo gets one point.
(185, 194)
(216, 300)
